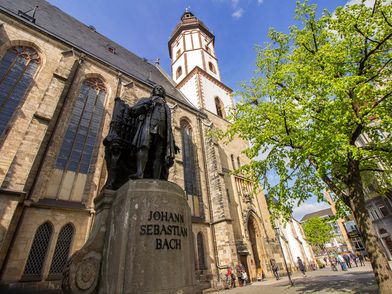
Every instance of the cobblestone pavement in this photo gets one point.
(355, 280)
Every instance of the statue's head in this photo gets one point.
(158, 91)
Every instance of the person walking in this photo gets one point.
(347, 260)
(354, 258)
(301, 266)
(341, 262)
(360, 257)
(275, 268)
(244, 277)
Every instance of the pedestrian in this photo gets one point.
(244, 278)
(301, 266)
(239, 270)
(228, 278)
(354, 258)
(347, 260)
(325, 260)
(333, 262)
(263, 278)
(341, 262)
(275, 268)
(233, 278)
(360, 257)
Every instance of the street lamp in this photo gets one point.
(276, 228)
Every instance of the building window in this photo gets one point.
(191, 171)
(17, 69)
(238, 162)
(61, 252)
(178, 72)
(212, 67)
(38, 253)
(81, 136)
(357, 243)
(208, 50)
(219, 107)
(201, 264)
(384, 211)
(178, 53)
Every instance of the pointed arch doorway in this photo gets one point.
(256, 265)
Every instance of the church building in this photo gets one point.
(58, 82)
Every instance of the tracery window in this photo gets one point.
(191, 171)
(17, 69)
(200, 252)
(178, 72)
(61, 252)
(38, 253)
(81, 136)
(219, 107)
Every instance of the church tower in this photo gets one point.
(195, 66)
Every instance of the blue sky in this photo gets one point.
(144, 27)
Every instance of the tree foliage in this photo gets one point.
(318, 111)
(318, 231)
(317, 91)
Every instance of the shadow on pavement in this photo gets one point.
(355, 282)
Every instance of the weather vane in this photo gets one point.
(187, 8)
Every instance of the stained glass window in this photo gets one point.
(38, 253)
(17, 69)
(191, 171)
(61, 253)
(81, 136)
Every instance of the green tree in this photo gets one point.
(318, 232)
(318, 91)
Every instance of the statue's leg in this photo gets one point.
(159, 159)
(141, 161)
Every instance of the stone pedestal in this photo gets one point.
(141, 242)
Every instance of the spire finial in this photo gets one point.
(187, 8)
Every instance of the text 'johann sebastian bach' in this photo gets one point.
(170, 234)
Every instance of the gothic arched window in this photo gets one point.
(219, 107)
(200, 252)
(61, 252)
(191, 171)
(178, 72)
(211, 67)
(17, 69)
(38, 253)
(85, 122)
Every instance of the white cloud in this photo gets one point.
(259, 2)
(238, 13)
(368, 3)
(305, 208)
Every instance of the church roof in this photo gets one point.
(53, 21)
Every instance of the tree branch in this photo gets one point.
(367, 38)
(375, 170)
(378, 102)
(385, 18)
(367, 55)
(378, 73)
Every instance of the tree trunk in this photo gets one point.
(381, 268)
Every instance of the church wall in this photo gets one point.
(190, 90)
(194, 58)
(210, 91)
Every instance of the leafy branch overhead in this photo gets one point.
(318, 114)
(321, 96)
